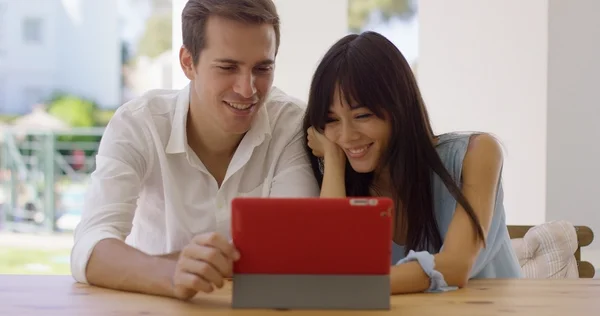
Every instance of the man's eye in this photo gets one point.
(264, 69)
(227, 67)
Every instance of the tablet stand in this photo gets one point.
(285, 291)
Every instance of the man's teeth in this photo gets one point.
(358, 150)
(239, 106)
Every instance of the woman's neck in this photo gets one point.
(382, 183)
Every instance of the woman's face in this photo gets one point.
(361, 134)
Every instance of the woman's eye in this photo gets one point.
(330, 120)
(364, 116)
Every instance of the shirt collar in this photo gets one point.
(178, 138)
(259, 130)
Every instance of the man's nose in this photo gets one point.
(245, 86)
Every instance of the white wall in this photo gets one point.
(527, 71)
(483, 66)
(308, 29)
(573, 158)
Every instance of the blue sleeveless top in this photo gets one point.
(498, 259)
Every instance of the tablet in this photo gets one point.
(316, 236)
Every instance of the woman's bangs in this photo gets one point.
(322, 94)
(357, 84)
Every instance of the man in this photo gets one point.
(157, 212)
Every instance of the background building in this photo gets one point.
(49, 46)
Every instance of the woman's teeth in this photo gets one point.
(358, 150)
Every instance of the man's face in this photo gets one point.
(233, 75)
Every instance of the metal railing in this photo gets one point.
(44, 175)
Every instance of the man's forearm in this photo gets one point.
(116, 265)
(172, 256)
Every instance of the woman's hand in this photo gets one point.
(320, 145)
(334, 160)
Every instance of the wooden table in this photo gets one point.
(59, 295)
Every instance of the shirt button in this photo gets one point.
(220, 203)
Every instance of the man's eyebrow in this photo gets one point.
(227, 61)
(265, 62)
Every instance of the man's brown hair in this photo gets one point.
(196, 13)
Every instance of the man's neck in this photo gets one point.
(206, 140)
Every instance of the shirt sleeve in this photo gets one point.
(293, 174)
(114, 187)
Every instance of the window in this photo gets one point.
(32, 30)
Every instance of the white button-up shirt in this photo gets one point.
(151, 190)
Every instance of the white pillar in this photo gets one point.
(179, 80)
(526, 71)
(306, 34)
(308, 29)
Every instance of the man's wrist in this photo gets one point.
(167, 267)
(171, 256)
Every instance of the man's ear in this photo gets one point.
(187, 63)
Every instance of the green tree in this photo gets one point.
(75, 111)
(359, 11)
(157, 37)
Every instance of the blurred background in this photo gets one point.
(526, 71)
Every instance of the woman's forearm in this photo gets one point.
(333, 175)
(409, 277)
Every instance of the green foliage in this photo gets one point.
(19, 260)
(7, 118)
(158, 36)
(73, 110)
(76, 112)
(102, 117)
(359, 11)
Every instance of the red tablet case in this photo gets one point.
(316, 236)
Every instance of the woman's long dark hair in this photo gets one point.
(371, 71)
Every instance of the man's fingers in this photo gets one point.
(217, 241)
(202, 269)
(185, 281)
(210, 255)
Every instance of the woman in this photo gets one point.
(369, 134)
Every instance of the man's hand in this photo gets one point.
(203, 264)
